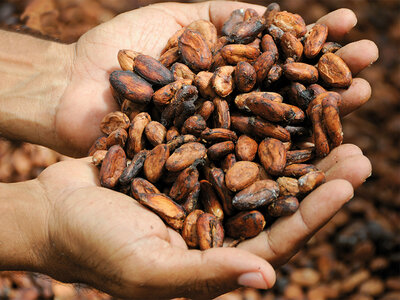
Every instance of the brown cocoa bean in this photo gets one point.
(245, 76)
(203, 83)
(235, 18)
(288, 186)
(297, 170)
(192, 200)
(142, 186)
(272, 154)
(291, 46)
(209, 231)
(134, 167)
(217, 179)
(179, 141)
(311, 181)
(246, 31)
(216, 135)
(207, 31)
(268, 45)
(270, 12)
(171, 212)
(184, 184)
(184, 156)
(131, 86)
(189, 229)
(113, 121)
(334, 71)
(112, 167)
(132, 109)
(98, 157)
(331, 120)
(320, 138)
(270, 110)
(249, 14)
(152, 70)
(330, 47)
(246, 148)
(241, 175)
(315, 40)
(155, 133)
(263, 64)
(182, 71)
(173, 40)
(126, 59)
(274, 74)
(194, 125)
(206, 109)
(283, 206)
(136, 138)
(299, 156)
(246, 224)
(222, 118)
(301, 72)
(292, 23)
(168, 58)
(155, 161)
(222, 81)
(260, 193)
(117, 137)
(235, 53)
(194, 50)
(219, 150)
(172, 133)
(210, 200)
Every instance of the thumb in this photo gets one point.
(177, 272)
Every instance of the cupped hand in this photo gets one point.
(87, 98)
(107, 240)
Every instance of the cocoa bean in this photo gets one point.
(152, 70)
(334, 71)
(241, 175)
(136, 138)
(168, 58)
(182, 71)
(218, 135)
(192, 200)
(292, 23)
(228, 162)
(297, 170)
(142, 186)
(235, 18)
(117, 137)
(194, 50)
(259, 194)
(219, 150)
(299, 156)
(189, 229)
(245, 76)
(194, 125)
(291, 46)
(172, 213)
(99, 144)
(246, 148)
(184, 156)
(207, 31)
(113, 121)
(126, 59)
(272, 154)
(112, 166)
(209, 231)
(217, 179)
(288, 186)
(236, 53)
(155, 161)
(98, 157)
(206, 109)
(222, 80)
(134, 167)
(246, 224)
(315, 40)
(184, 184)
(131, 86)
(310, 181)
(246, 31)
(210, 200)
(222, 118)
(155, 133)
(283, 206)
(301, 72)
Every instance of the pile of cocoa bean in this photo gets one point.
(217, 137)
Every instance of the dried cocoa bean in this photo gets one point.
(112, 167)
(288, 186)
(219, 150)
(194, 125)
(315, 40)
(113, 121)
(155, 161)
(246, 224)
(241, 175)
(334, 71)
(222, 80)
(222, 118)
(259, 194)
(117, 137)
(283, 206)
(172, 213)
(194, 50)
(245, 76)
(134, 167)
(301, 72)
(210, 200)
(152, 70)
(126, 59)
(209, 231)
(142, 186)
(184, 184)
(184, 156)
(236, 53)
(246, 148)
(192, 200)
(272, 154)
(189, 229)
(98, 157)
(311, 181)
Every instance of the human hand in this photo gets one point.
(87, 98)
(107, 240)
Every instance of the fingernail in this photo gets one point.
(253, 279)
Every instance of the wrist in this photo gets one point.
(34, 75)
(23, 219)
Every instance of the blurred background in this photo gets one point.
(357, 255)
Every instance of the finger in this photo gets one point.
(359, 55)
(175, 272)
(215, 11)
(355, 96)
(355, 169)
(339, 22)
(288, 234)
(338, 154)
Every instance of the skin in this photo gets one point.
(80, 232)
